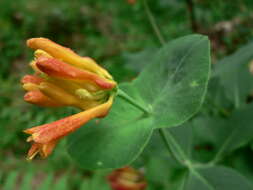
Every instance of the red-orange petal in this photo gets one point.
(56, 68)
(38, 98)
(55, 130)
(33, 151)
(47, 149)
(43, 149)
(67, 55)
(31, 79)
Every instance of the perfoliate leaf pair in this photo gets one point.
(171, 88)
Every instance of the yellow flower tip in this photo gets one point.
(29, 139)
(30, 157)
(84, 94)
(33, 151)
(40, 53)
(34, 42)
(34, 67)
(35, 135)
(29, 42)
(27, 131)
(67, 55)
(30, 87)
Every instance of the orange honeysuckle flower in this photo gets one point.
(131, 1)
(127, 179)
(63, 78)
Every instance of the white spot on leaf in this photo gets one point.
(99, 163)
(194, 84)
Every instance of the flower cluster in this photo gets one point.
(63, 78)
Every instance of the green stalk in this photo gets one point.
(153, 23)
(163, 135)
(128, 98)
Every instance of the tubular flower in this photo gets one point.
(63, 78)
(127, 179)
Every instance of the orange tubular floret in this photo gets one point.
(43, 149)
(35, 148)
(56, 68)
(67, 55)
(47, 149)
(53, 131)
(36, 97)
(31, 79)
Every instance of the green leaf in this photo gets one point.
(172, 87)
(62, 183)
(216, 178)
(114, 141)
(182, 136)
(216, 100)
(233, 73)
(162, 174)
(175, 83)
(10, 181)
(136, 61)
(27, 181)
(227, 134)
(85, 185)
(242, 162)
(47, 182)
(98, 181)
(202, 177)
(180, 140)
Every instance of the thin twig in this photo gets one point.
(135, 103)
(191, 9)
(153, 23)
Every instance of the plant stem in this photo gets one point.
(125, 96)
(153, 23)
(191, 8)
(167, 144)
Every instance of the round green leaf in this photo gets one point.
(174, 84)
(111, 142)
(234, 75)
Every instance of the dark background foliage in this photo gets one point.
(118, 36)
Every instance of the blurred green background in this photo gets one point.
(118, 35)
